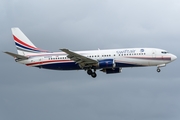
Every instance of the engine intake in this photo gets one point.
(106, 63)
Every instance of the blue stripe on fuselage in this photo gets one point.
(120, 65)
(74, 66)
(61, 66)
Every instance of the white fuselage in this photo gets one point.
(130, 57)
(109, 61)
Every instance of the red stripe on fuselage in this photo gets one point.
(44, 62)
(152, 58)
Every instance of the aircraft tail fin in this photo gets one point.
(23, 44)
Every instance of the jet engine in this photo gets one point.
(106, 63)
(112, 70)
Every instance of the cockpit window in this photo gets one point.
(164, 52)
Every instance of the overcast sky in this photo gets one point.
(135, 94)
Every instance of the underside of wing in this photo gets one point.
(80, 59)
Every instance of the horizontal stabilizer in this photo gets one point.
(20, 57)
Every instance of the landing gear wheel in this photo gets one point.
(93, 74)
(89, 72)
(158, 70)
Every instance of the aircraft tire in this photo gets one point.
(89, 72)
(94, 75)
(158, 70)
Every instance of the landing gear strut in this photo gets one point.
(90, 72)
(158, 67)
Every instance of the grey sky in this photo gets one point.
(135, 94)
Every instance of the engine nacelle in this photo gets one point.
(106, 63)
(112, 70)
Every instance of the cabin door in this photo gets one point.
(154, 53)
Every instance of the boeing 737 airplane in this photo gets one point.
(108, 61)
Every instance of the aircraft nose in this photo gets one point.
(173, 57)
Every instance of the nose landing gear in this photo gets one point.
(158, 70)
(158, 67)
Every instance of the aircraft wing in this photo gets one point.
(17, 56)
(80, 59)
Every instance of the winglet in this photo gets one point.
(64, 50)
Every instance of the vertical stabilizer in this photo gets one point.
(23, 44)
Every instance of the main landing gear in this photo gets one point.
(92, 73)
